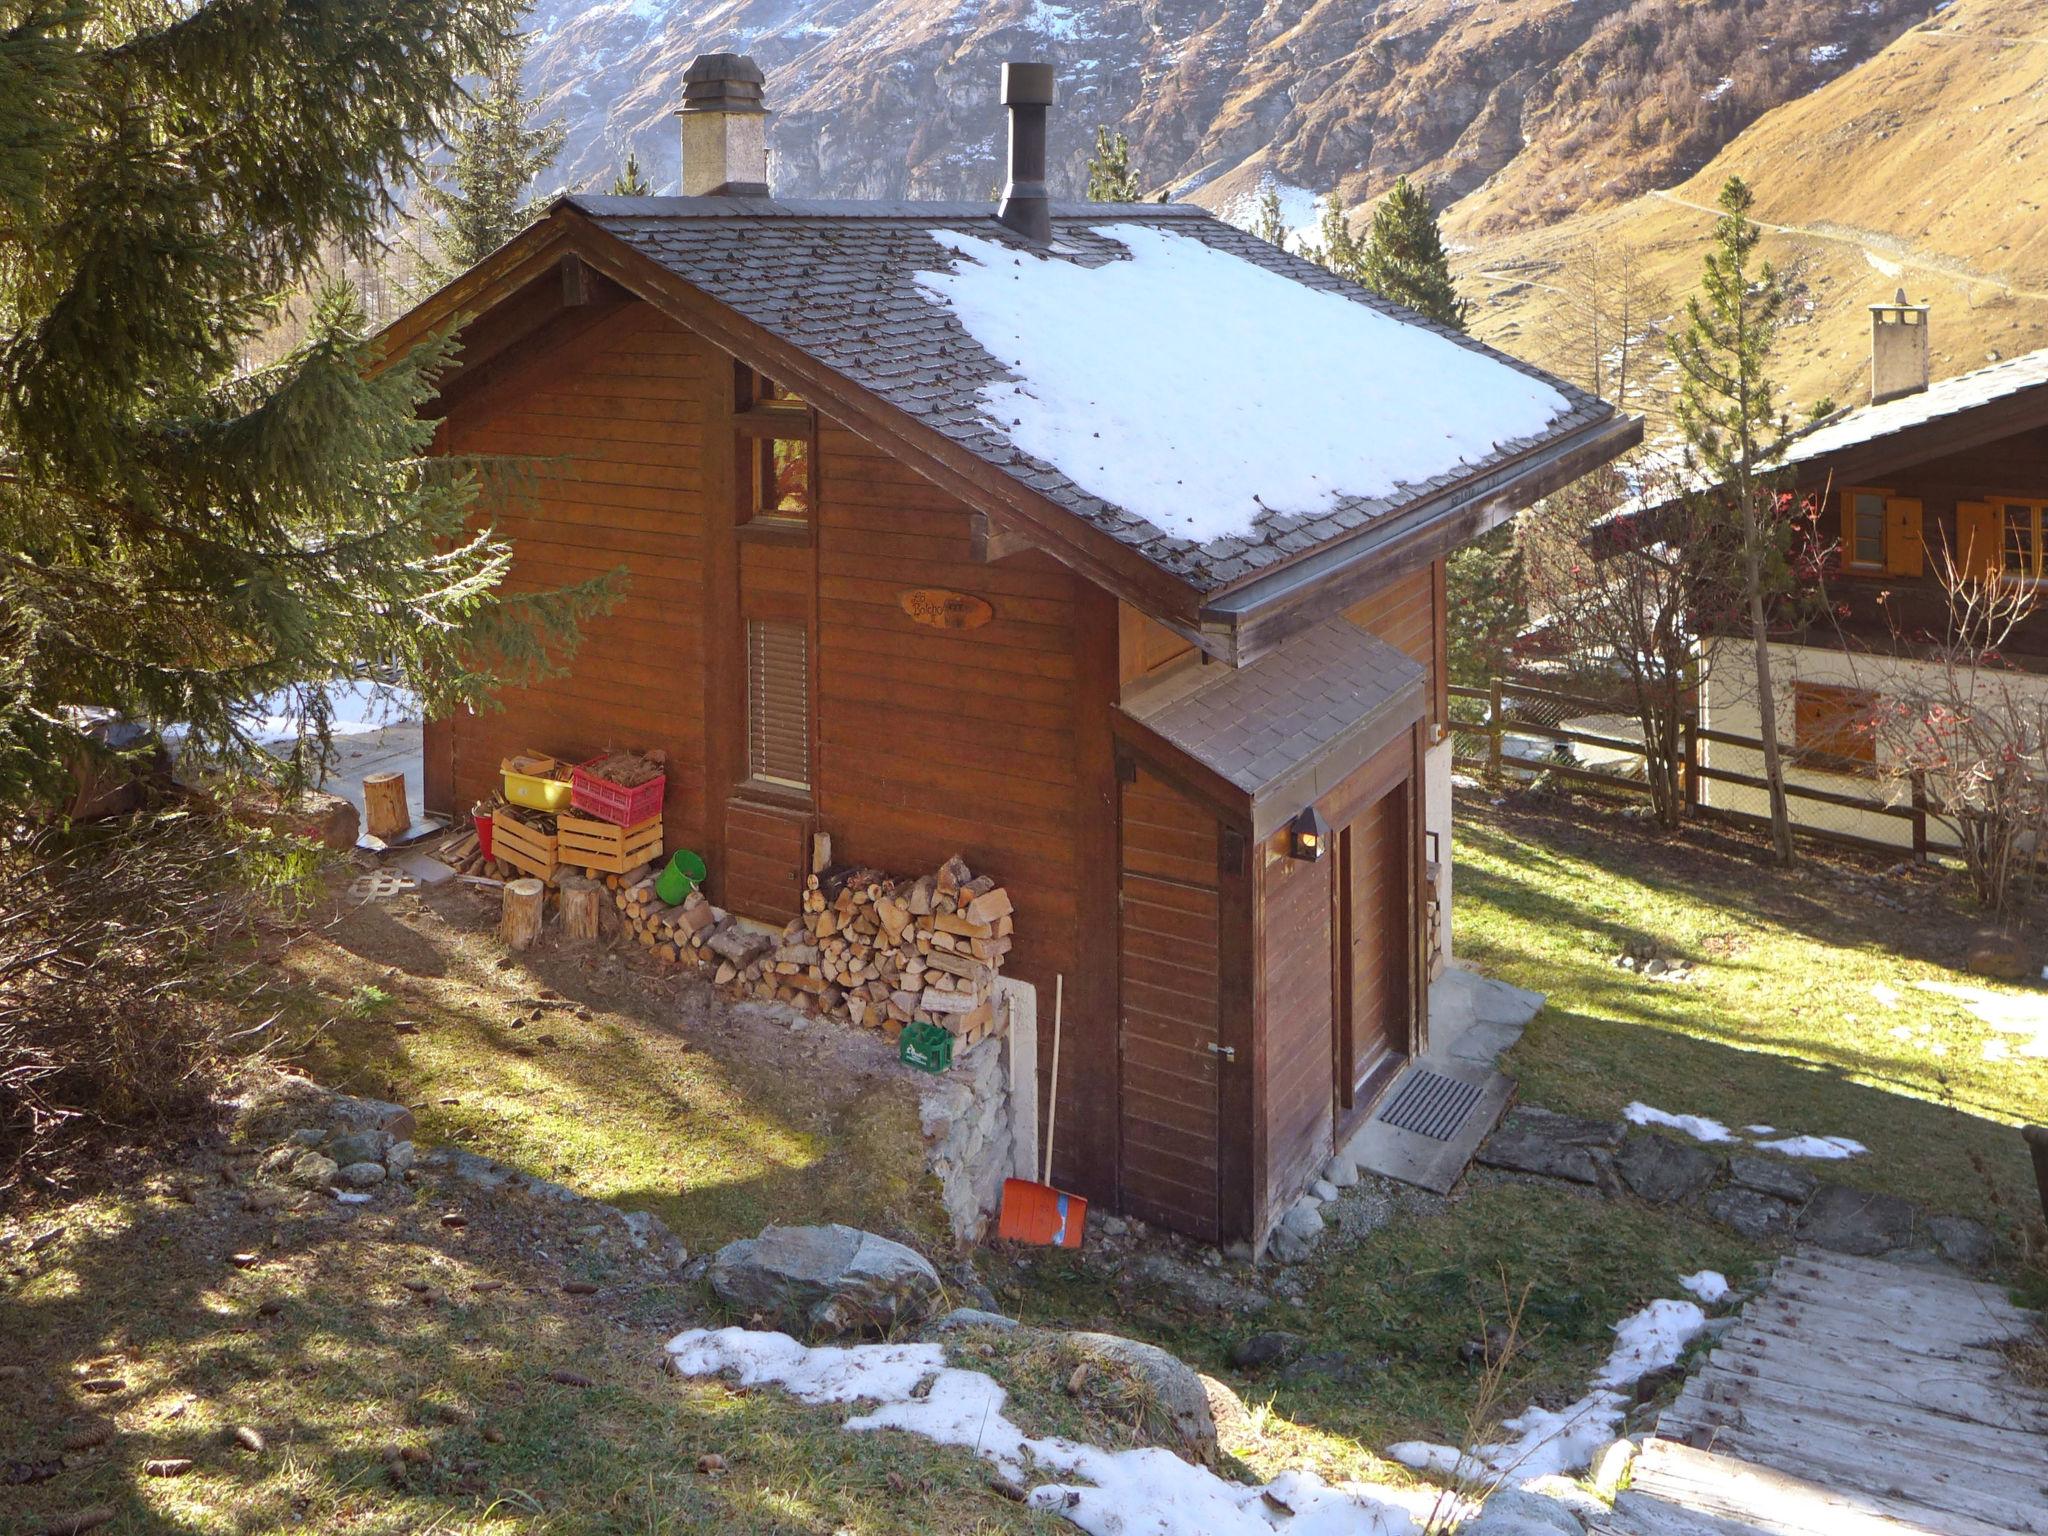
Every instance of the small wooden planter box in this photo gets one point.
(592, 844)
(514, 842)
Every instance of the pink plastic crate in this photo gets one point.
(611, 802)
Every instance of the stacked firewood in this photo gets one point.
(877, 951)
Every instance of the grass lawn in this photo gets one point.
(1781, 1024)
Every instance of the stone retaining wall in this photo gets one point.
(979, 1118)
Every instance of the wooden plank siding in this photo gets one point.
(1408, 615)
(1169, 979)
(1298, 1012)
(614, 435)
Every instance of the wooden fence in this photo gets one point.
(1485, 736)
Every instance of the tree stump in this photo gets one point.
(384, 812)
(525, 905)
(579, 907)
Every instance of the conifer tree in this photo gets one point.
(181, 536)
(1734, 432)
(1336, 249)
(629, 182)
(479, 201)
(1267, 225)
(1403, 257)
(1111, 177)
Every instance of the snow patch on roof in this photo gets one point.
(1201, 391)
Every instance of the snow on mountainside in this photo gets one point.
(1541, 105)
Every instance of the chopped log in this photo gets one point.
(579, 907)
(384, 812)
(988, 906)
(525, 906)
(821, 852)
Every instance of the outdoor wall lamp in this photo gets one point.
(1308, 835)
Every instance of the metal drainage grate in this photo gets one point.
(1430, 1104)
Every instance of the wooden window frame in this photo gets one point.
(1849, 560)
(1827, 756)
(2038, 507)
(777, 421)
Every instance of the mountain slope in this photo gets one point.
(1925, 167)
(1548, 104)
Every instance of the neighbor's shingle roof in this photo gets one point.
(1257, 725)
(837, 280)
(1950, 397)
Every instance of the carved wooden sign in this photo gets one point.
(946, 610)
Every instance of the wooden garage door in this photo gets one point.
(1377, 890)
(1168, 932)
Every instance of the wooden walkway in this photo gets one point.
(1853, 1398)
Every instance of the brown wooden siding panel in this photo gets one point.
(1298, 1012)
(1404, 614)
(1170, 946)
(617, 434)
(767, 855)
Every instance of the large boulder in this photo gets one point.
(1663, 1171)
(1176, 1391)
(1857, 1221)
(1534, 1140)
(1755, 1215)
(1517, 1512)
(825, 1280)
(1768, 1176)
(1998, 954)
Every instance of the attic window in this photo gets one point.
(755, 391)
(781, 479)
(776, 451)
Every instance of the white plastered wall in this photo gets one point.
(1436, 817)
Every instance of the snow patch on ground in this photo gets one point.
(1106, 1493)
(1826, 53)
(1698, 1127)
(355, 707)
(1169, 384)
(1709, 1285)
(1301, 211)
(2024, 1016)
(1548, 1443)
(1827, 1147)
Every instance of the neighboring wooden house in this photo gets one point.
(1208, 766)
(1925, 475)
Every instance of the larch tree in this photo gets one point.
(1111, 176)
(185, 537)
(1734, 431)
(1403, 257)
(481, 196)
(630, 182)
(1267, 223)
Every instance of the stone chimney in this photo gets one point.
(1027, 92)
(725, 139)
(1898, 349)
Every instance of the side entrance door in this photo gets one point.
(1376, 965)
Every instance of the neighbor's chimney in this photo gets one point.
(1027, 92)
(725, 140)
(1898, 349)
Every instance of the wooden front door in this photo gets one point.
(1168, 931)
(1376, 964)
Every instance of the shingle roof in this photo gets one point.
(1950, 397)
(838, 281)
(1260, 724)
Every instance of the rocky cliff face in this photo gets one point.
(1544, 104)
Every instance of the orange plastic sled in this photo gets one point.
(1035, 1212)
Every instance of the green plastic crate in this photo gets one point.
(925, 1047)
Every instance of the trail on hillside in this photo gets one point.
(1871, 242)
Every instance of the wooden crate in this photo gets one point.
(589, 843)
(515, 843)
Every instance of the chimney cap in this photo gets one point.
(1027, 84)
(723, 82)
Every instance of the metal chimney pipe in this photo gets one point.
(1027, 92)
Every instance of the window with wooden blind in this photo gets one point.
(778, 704)
(1833, 722)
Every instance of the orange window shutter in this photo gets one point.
(1977, 540)
(1904, 551)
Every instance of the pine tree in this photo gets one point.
(1734, 432)
(480, 201)
(182, 536)
(1403, 257)
(1336, 249)
(629, 182)
(1111, 178)
(1267, 225)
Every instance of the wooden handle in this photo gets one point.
(1052, 1107)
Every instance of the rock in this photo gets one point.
(1517, 1512)
(312, 1170)
(1656, 967)
(400, 1156)
(1304, 1218)
(1962, 1241)
(1612, 1465)
(1997, 954)
(364, 1175)
(970, 1317)
(1323, 1190)
(1663, 1171)
(1275, 1346)
(1341, 1171)
(330, 820)
(1200, 1287)
(1534, 1140)
(1226, 1409)
(358, 1147)
(1175, 1389)
(832, 1279)
(650, 1234)
(1756, 1216)
(1856, 1221)
(1285, 1248)
(1771, 1177)
(352, 1114)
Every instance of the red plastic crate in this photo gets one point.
(612, 802)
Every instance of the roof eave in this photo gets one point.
(1245, 621)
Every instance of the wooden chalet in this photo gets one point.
(1207, 771)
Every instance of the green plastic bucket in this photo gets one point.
(680, 876)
